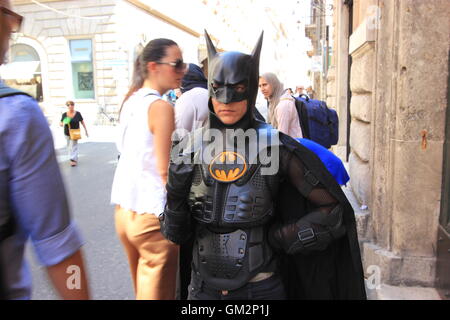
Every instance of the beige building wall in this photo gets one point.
(116, 27)
(398, 82)
(49, 32)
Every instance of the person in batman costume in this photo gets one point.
(286, 234)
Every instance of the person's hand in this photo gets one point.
(87, 135)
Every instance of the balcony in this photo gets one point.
(311, 31)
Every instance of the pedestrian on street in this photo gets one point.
(310, 92)
(71, 120)
(33, 201)
(283, 114)
(146, 125)
(191, 108)
(299, 90)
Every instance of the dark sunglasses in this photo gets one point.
(68, 105)
(15, 20)
(178, 65)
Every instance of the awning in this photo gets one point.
(23, 70)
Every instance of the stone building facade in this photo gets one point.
(389, 84)
(318, 32)
(84, 51)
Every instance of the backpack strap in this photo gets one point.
(304, 96)
(288, 99)
(302, 116)
(309, 183)
(7, 229)
(6, 91)
(152, 94)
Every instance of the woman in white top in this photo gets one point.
(282, 111)
(146, 126)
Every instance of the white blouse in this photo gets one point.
(137, 185)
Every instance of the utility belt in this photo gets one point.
(198, 284)
(227, 261)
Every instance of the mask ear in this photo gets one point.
(209, 44)
(257, 50)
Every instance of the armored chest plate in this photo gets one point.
(245, 202)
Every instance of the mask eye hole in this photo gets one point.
(240, 88)
(215, 86)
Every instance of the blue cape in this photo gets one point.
(331, 161)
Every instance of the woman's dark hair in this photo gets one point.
(155, 50)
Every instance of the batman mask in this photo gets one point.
(233, 77)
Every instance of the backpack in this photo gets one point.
(7, 226)
(302, 117)
(323, 122)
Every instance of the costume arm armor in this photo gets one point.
(313, 232)
(176, 218)
(175, 225)
(318, 228)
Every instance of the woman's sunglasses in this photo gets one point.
(15, 20)
(178, 65)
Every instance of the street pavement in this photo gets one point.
(88, 188)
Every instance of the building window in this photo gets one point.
(82, 69)
(23, 72)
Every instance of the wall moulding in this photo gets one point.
(362, 39)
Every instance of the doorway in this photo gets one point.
(349, 4)
(443, 245)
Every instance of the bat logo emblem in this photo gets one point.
(227, 166)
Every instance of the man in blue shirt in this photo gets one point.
(32, 193)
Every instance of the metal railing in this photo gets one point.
(111, 117)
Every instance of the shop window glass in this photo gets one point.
(82, 69)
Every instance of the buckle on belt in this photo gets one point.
(311, 178)
(307, 237)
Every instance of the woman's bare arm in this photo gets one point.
(85, 130)
(161, 123)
